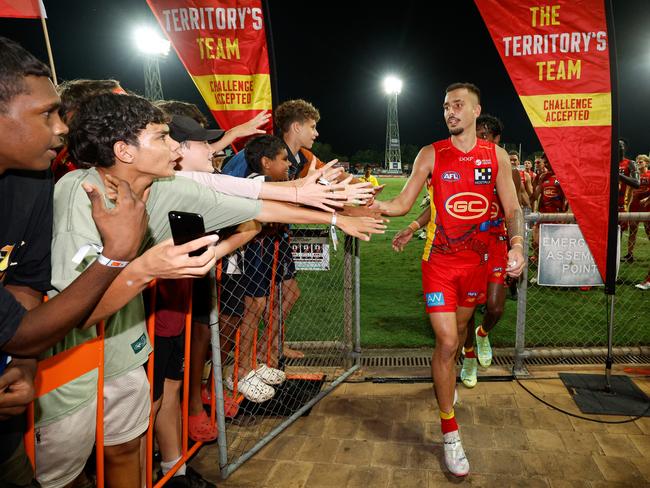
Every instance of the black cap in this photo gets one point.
(183, 128)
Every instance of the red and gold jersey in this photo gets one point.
(551, 196)
(462, 192)
(532, 174)
(644, 187)
(522, 175)
(623, 188)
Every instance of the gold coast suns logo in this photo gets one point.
(5, 259)
(467, 205)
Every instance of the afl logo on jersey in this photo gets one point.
(467, 205)
(450, 176)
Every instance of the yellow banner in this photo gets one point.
(569, 109)
(235, 92)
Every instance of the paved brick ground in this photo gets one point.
(388, 435)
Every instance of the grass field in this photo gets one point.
(392, 312)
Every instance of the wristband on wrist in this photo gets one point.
(517, 244)
(333, 223)
(111, 263)
(517, 237)
(414, 226)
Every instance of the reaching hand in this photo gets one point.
(122, 227)
(401, 239)
(252, 126)
(16, 391)
(327, 172)
(361, 227)
(165, 260)
(356, 193)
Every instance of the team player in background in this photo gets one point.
(464, 172)
(639, 203)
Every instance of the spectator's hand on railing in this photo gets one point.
(361, 227)
(122, 227)
(401, 239)
(16, 390)
(516, 262)
(167, 261)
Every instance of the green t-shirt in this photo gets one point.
(127, 344)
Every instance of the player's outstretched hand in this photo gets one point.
(401, 239)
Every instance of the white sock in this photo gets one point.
(165, 466)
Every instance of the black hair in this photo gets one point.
(176, 107)
(15, 64)
(105, 119)
(492, 123)
(470, 87)
(262, 146)
(513, 153)
(74, 92)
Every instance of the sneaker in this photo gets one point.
(643, 286)
(455, 458)
(483, 350)
(252, 387)
(270, 376)
(468, 373)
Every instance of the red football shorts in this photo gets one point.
(497, 259)
(447, 287)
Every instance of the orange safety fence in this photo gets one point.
(62, 368)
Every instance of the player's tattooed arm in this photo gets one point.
(633, 180)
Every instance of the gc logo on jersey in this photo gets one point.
(450, 176)
(467, 205)
(483, 176)
(435, 299)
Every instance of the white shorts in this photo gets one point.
(63, 447)
(126, 407)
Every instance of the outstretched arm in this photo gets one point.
(402, 203)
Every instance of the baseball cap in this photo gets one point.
(183, 128)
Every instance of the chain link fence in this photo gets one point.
(285, 335)
(576, 317)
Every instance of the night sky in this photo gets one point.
(336, 53)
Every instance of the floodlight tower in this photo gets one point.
(393, 159)
(153, 48)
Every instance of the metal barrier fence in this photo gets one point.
(571, 317)
(287, 334)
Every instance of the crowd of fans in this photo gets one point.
(96, 240)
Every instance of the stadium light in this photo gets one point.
(392, 85)
(149, 42)
(393, 155)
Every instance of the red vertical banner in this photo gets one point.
(222, 44)
(557, 55)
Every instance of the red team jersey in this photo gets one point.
(459, 234)
(623, 169)
(640, 193)
(461, 191)
(551, 196)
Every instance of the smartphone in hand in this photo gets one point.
(186, 227)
